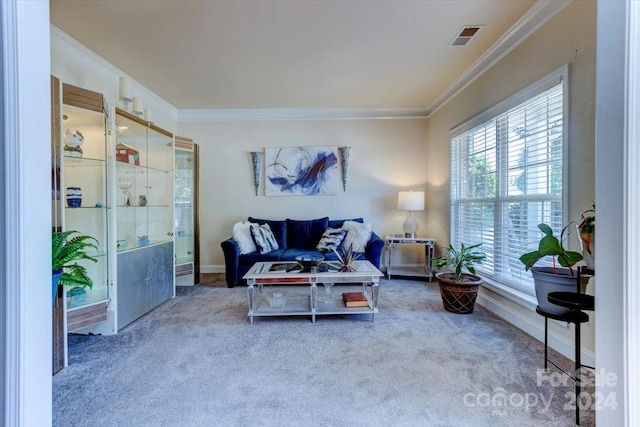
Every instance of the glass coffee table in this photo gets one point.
(286, 289)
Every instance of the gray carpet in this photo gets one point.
(196, 361)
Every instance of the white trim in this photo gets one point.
(247, 114)
(632, 228)
(26, 90)
(76, 52)
(212, 269)
(560, 75)
(530, 22)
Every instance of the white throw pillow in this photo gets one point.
(357, 235)
(242, 236)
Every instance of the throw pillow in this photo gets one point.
(242, 236)
(331, 239)
(357, 235)
(263, 238)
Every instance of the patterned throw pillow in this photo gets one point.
(242, 236)
(331, 239)
(263, 238)
(357, 235)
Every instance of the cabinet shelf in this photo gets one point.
(78, 162)
(143, 207)
(131, 168)
(80, 208)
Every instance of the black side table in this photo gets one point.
(577, 303)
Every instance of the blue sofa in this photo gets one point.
(294, 238)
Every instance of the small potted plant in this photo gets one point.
(554, 278)
(458, 289)
(587, 233)
(66, 249)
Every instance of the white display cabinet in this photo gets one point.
(80, 158)
(144, 159)
(186, 212)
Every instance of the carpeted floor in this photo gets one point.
(196, 361)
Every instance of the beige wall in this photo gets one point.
(568, 38)
(387, 155)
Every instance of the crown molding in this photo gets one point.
(247, 114)
(529, 23)
(75, 52)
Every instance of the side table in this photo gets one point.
(395, 240)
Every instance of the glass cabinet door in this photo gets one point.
(185, 212)
(81, 198)
(144, 169)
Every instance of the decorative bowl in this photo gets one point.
(309, 262)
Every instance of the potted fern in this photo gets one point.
(554, 278)
(458, 289)
(68, 247)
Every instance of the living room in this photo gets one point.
(387, 155)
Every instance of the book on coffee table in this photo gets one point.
(355, 299)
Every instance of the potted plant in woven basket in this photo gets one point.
(458, 289)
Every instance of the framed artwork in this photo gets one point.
(301, 171)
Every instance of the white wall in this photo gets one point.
(568, 38)
(387, 155)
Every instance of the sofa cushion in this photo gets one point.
(305, 234)
(263, 238)
(357, 235)
(331, 239)
(337, 223)
(278, 228)
(242, 235)
(253, 257)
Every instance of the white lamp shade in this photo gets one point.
(411, 200)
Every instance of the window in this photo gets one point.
(507, 177)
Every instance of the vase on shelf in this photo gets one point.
(74, 197)
(125, 184)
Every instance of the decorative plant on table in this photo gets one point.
(459, 289)
(66, 249)
(346, 258)
(554, 278)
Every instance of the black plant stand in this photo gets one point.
(577, 303)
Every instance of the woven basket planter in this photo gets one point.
(459, 296)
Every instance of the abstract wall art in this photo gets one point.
(301, 171)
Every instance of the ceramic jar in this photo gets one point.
(74, 197)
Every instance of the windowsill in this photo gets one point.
(525, 300)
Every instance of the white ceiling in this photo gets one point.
(199, 54)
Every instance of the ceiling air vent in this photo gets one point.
(465, 35)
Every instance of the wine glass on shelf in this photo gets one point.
(125, 184)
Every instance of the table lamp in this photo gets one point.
(410, 201)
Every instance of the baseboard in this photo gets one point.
(212, 269)
(559, 343)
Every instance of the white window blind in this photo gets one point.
(507, 177)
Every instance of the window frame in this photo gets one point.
(559, 76)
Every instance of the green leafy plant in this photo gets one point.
(551, 246)
(461, 259)
(66, 249)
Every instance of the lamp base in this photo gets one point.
(410, 226)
